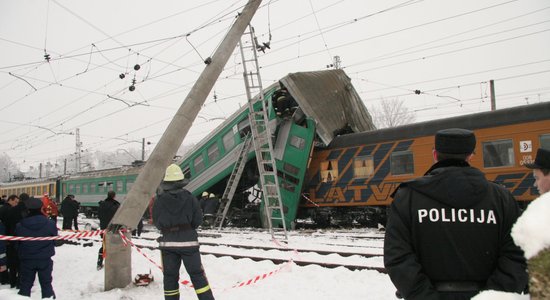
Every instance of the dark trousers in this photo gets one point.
(67, 222)
(13, 264)
(100, 252)
(191, 258)
(75, 221)
(29, 269)
(4, 277)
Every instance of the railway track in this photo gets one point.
(213, 249)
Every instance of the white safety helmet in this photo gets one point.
(173, 173)
(212, 196)
(205, 194)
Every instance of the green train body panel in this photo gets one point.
(211, 161)
(291, 169)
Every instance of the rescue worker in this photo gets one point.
(176, 213)
(204, 197)
(209, 210)
(69, 210)
(541, 170)
(106, 211)
(448, 232)
(36, 256)
(49, 208)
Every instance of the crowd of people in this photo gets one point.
(26, 216)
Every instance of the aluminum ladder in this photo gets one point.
(233, 182)
(262, 136)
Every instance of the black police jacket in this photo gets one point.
(177, 214)
(449, 226)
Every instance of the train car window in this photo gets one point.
(363, 166)
(402, 162)
(71, 188)
(85, 188)
(198, 162)
(39, 190)
(244, 127)
(297, 142)
(186, 172)
(129, 184)
(101, 187)
(329, 170)
(291, 169)
(545, 141)
(33, 191)
(228, 141)
(498, 153)
(213, 153)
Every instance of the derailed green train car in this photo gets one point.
(209, 164)
(323, 104)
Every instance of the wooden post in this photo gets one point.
(137, 200)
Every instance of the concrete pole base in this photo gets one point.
(118, 262)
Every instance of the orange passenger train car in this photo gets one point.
(350, 180)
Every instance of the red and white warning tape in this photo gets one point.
(188, 283)
(127, 241)
(79, 235)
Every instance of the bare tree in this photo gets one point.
(8, 169)
(391, 113)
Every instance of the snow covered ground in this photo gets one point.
(75, 275)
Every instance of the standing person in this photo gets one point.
(3, 259)
(531, 235)
(448, 232)
(209, 210)
(13, 216)
(541, 170)
(69, 210)
(203, 199)
(49, 208)
(106, 211)
(36, 256)
(12, 201)
(176, 213)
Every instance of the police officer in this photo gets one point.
(448, 232)
(176, 213)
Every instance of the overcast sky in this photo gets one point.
(447, 50)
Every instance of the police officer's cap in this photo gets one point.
(455, 141)
(542, 161)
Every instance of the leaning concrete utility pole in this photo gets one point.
(118, 260)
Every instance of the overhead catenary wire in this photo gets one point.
(221, 98)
